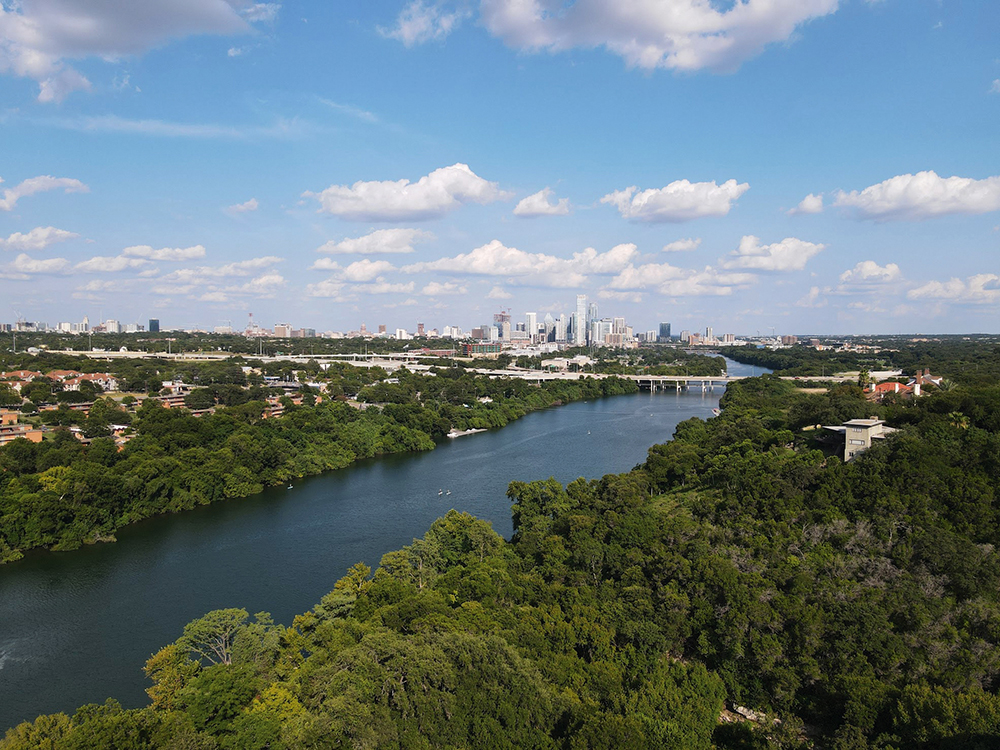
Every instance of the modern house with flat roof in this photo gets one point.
(859, 434)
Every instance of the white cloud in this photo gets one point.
(37, 36)
(261, 286)
(325, 264)
(421, 22)
(681, 246)
(23, 264)
(910, 197)
(634, 297)
(383, 287)
(282, 128)
(995, 87)
(812, 299)
(110, 264)
(870, 272)
(260, 12)
(204, 274)
(40, 184)
(38, 238)
(538, 205)
(535, 269)
(242, 208)
(377, 242)
(674, 34)
(165, 253)
(791, 254)
(811, 204)
(362, 270)
(679, 201)
(366, 270)
(104, 285)
(431, 196)
(437, 289)
(679, 282)
(219, 297)
(349, 109)
(170, 289)
(498, 293)
(328, 288)
(983, 288)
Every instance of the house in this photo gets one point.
(859, 434)
(107, 382)
(881, 390)
(62, 374)
(22, 376)
(10, 430)
(924, 377)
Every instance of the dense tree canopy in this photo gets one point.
(742, 571)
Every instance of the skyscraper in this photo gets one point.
(154, 325)
(531, 324)
(664, 332)
(580, 322)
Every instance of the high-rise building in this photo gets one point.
(420, 329)
(618, 325)
(665, 332)
(381, 327)
(531, 324)
(154, 325)
(283, 330)
(686, 336)
(580, 321)
(708, 333)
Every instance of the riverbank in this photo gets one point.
(61, 494)
(77, 626)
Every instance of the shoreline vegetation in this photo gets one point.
(63, 492)
(743, 589)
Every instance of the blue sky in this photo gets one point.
(815, 166)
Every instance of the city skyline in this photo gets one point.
(828, 166)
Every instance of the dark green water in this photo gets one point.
(77, 627)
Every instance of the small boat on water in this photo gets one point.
(716, 412)
(288, 487)
(448, 492)
(440, 492)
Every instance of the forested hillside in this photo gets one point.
(743, 566)
(61, 492)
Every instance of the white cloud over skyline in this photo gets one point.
(924, 195)
(534, 269)
(432, 196)
(791, 254)
(983, 288)
(175, 254)
(870, 272)
(679, 201)
(378, 242)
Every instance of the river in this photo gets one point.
(77, 627)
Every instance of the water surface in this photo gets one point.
(77, 627)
